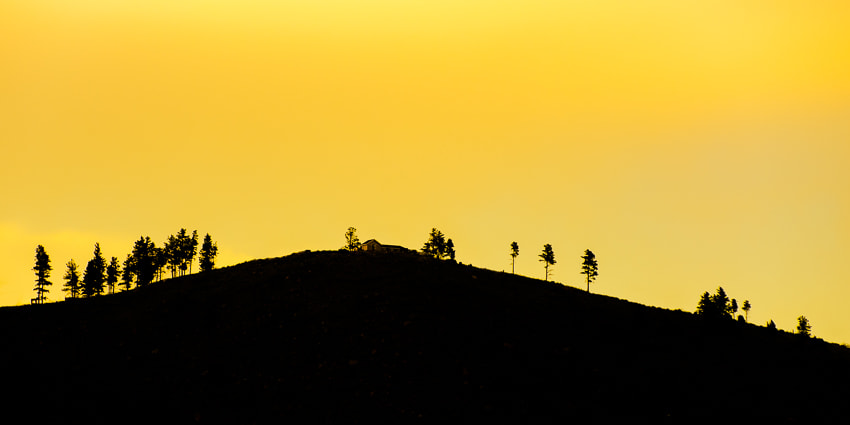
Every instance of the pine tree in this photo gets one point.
(746, 309)
(589, 267)
(705, 305)
(72, 280)
(189, 250)
(113, 271)
(207, 255)
(514, 254)
(436, 244)
(548, 259)
(127, 273)
(721, 304)
(42, 272)
(94, 276)
(172, 254)
(804, 327)
(352, 242)
(450, 249)
(144, 261)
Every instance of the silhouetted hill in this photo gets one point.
(352, 337)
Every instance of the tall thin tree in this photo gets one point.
(589, 267)
(746, 308)
(113, 271)
(42, 272)
(207, 255)
(514, 254)
(548, 259)
(72, 280)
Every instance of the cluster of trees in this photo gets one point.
(720, 305)
(145, 263)
(589, 265)
(438, 246)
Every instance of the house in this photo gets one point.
(374, 246)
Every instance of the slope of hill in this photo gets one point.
(352, 337)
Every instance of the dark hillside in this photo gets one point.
(352, 337)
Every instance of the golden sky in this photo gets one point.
(688, 144)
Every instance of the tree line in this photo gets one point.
(143, 265)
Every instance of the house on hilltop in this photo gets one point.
(374, 246)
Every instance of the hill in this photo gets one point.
(353, 337)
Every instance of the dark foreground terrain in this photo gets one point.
(350, 337)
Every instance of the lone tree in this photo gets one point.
(113, 271)
(42, 272)
(72, 280)
(450, 249)
(548, 259)
(95, 274)
(352, 242)
(514, 254)
(207, 255)
(589, 267)
(436, 244)
(804, 327)
(746, 309)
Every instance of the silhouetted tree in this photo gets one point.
(352, 242)
(705, 306)
(209, 250)
(173, 255)
(72, 280)
(127, 273)
(190, 248)
(746, 309)
(514, 254)
(589, 267)
(450, 249)
(733, 307)
(94, 276)
(42, 272)
(113, 270)
(721, 302)
(548, 259)
(144, 261)
(804, 327)
(436, 244)
(160, 260)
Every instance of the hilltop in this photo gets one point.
(357, 337)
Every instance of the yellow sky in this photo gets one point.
(688, 144)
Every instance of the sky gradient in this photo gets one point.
(690, 145)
